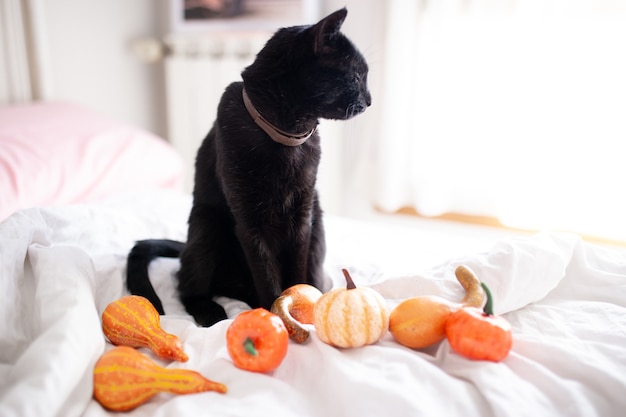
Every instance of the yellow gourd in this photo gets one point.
(350, 317)
(133, 321)
(125, 378)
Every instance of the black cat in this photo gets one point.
(256, 226)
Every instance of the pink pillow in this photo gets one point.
(60, 153)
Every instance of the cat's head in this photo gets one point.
(340, 71)
(317, 67)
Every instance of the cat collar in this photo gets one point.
(277, 135)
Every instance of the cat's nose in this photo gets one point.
(368, 99)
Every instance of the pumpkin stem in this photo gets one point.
(488, 309)
(349, 283)
(249, 347)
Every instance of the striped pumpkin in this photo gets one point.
(133, 321)
(351, 317)
(125, 378)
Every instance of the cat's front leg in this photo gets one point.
(262, 256)
(317, 249)
(304, 258)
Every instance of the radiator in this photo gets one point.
(198, 68)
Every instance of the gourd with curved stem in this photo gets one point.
(419, 322)
(295, 307)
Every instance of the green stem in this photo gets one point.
(488, 309)
(248, 345)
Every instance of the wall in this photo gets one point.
(91, 62)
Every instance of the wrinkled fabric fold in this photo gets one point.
(565, 299)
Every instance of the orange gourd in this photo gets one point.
(351, 317)
(133, 321)
(257, 340)
(125, 378)
(419, 322)
(479, 334)
(295, 307)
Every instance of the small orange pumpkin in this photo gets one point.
(133, 321)
(295, 307)
(124, 378)
(479, 334)
(257, 340)
(351, 317)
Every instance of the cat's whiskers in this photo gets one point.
(349, 111)
(353, 109)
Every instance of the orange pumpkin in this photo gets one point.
(351, 317)
(295, 307)
(124, 379)
(479, 334)
(257, 340)
(133, 321)
(419, 322)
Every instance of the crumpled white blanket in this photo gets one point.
(565, 298)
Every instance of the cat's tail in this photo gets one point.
(140, 256)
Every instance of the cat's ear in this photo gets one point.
(326, 29)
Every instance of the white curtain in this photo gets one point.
(23, 54)
(511, 109)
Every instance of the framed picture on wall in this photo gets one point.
(241, 15)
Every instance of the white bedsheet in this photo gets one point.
(565, 298)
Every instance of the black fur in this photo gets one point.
(256, 226)
(138, 260)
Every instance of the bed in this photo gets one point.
(62, 262)
(63, 153)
